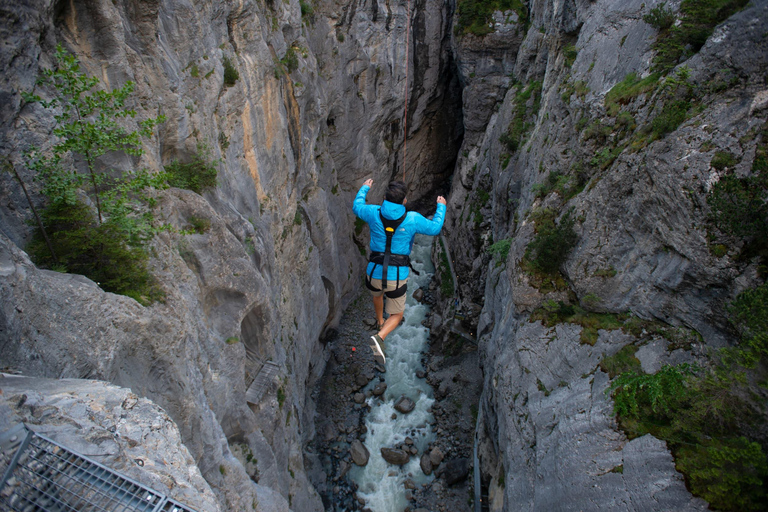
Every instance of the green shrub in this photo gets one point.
(710, 417)
(307, 10)
(628, 89)
(474, 16)
(660, 17)
(570, 52)
(290, 60)
(622, 361)
(723, 160)
(103, 241)
(230, 73)
(673, 114)
(514, 137)
(98, 251)
(501, 249)
(556, 312)
(552, 244)
(730, 474)
(698, 19)
(738, 206)
(199, 224)
(197, 175)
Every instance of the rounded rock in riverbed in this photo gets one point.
(418, 295)
(359, 452)
(426, 464)
(436, 456)
(395, 456)
(380, 388)
(405, 404)
(359, 398)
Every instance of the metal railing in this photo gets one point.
(42, 475)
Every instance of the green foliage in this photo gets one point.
(500, 249)
(552, 244)
(105, 244)
(290, 60)
(729, 474)
(232, 340)
(605, 272)
(558, 182)
(199, 225)
(660, 17)
(280, 396)
(739, 207)
(359, 225)
(98, 251)
(223, 141)
(698, 19)
(628, 89)
(556, 312)
(723, 160)
(475, 16)
(197, 175)
(514, 137)
(570, 52)
(673, 114)
(230, 73)
(307, 10)
(194, 71)
(622, 361)
(710, 417)
(633, 391)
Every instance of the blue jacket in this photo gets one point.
(402, 240)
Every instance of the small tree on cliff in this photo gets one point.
(102, 240)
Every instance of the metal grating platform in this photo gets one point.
(45, 476)
(261, 383)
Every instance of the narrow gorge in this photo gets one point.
(606, 169)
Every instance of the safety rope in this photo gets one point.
(405, 122)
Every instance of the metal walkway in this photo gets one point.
(40, 475)
(262, 382)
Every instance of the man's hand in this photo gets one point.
(440, 200)
(368, 182)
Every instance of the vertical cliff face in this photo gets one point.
(317, 107)
(560, 142)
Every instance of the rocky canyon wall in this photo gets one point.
(317, 108)
(549, 439)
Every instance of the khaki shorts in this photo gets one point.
(391, 306)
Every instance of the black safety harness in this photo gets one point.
(386, 258)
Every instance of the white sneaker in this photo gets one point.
(378, 353)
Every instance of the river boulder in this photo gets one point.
(426, 464)
(455, 471)
(359, 453)
(395, 456)
(404, 404)
(380, 388)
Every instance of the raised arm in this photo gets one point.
(359, 206)
(433, 227)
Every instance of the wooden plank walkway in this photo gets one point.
(262, 382)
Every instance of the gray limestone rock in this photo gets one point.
(131, 435)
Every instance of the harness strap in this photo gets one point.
(390, 226)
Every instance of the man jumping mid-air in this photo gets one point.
(392, 231)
